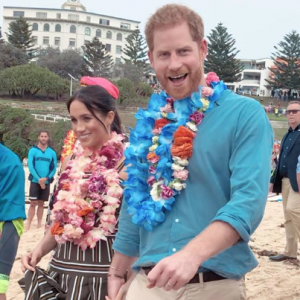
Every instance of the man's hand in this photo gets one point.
(174, 271)
(42, 182)
(271, 187)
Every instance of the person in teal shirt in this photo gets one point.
(42, 163)
(195, 245)
(12, 212)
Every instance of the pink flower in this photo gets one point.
(156, 131)
(166, 192)
(206, 91)
(167, 108)
(152, 170)
(84, 187)
(182, 175)
(171, 101)
(197, 117)
(151, 180)
(71, 232)
(211, 77)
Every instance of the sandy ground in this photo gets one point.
(269, 281)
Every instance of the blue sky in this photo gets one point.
(257, 25)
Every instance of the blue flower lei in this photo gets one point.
(145, 211)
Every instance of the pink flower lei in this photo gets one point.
(89, 193)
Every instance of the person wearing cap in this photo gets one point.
(86, 202)
(12, 212)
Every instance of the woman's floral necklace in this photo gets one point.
(160, 148)
(88, 195)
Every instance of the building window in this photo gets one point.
(72, 43)
(46, 40)
(46, 27)
(35, 40)
(73, 29)
(98, 33)
(35, 27)
(18, 13)
(118, 60)
(125, 25)
(108, 47)
(88, 19)
(108, 35)
(57, 28)
(73, 8)
(87, 31)
(58, 16)
(104, 22)
(118, 49)
(119, 36)
(73, 17)
(57, 41)
(41, 15)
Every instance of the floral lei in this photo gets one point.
(88, 195)
(160, 147)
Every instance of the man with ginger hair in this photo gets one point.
(187, 216)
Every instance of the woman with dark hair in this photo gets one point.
(85, 208)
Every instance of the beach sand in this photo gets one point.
(269, 281)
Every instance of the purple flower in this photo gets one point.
(152, 170)
(86, 227)
(98, 184)
(197, 117)
(166, 192)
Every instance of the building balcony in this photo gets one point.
(250, 82)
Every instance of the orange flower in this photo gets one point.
(182, 140)
(84, 211)
(66, 186)
(152, 156)
(160, 123)
(183, 132)
(184, 151)
(56, 229)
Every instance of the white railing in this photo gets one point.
(50, 118)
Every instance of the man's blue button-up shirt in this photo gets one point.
(229, 174)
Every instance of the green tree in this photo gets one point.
(20, 35)
(27, 80)
(62, 63)
(287, 62)
(99, 62)
(127, 90)
(15, 127)
(221, 57)
(1, 37)
(11, 56)
(135, 49)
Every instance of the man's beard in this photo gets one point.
(179, 92)
(43, 143)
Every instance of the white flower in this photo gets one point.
(191, 126)
(178, 186)
(155, 139)
(153, 148)
(154, 191)
(176, 167)
(179, 161)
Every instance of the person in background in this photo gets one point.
(284, 180)
(42, 163)
(12, 212)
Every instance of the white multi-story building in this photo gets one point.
(253, 77)
(71, 26)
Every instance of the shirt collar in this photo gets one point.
(296, 129)
(223, 97)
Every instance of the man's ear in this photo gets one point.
(150, 56)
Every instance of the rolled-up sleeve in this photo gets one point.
(127, 240)
(249, 166)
